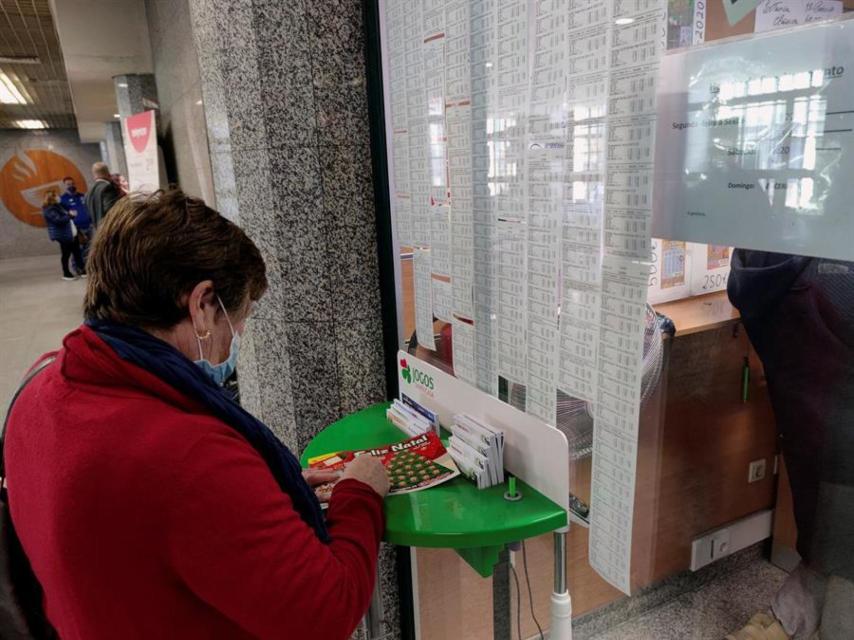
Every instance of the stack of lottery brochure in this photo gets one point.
(478, 450)
(412, 418)
(418, 463)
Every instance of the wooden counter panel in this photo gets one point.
(453, 600)
(692, 477)
(699, 313)
(708, 439)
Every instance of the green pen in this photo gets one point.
(511, 494)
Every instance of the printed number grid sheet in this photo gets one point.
(522, 146)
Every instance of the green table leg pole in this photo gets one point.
(501, 627)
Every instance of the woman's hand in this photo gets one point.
(317, 477)
(369, 470)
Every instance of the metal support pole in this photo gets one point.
(561, 611)
(560, 561)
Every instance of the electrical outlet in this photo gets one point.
(711, 547)
(756, 472)
(733, 537)
(720, 544)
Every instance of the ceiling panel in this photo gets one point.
(27, 31)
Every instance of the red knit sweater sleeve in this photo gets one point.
(238, 544)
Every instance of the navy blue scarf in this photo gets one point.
(171, 366)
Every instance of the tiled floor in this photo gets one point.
(37, 308)
(719, 607)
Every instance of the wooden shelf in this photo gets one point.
(699, 313)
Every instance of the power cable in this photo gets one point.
(530, 593)
(518, 602)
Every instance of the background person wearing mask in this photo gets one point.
(59, 230)
(148, 503)
(121, 183)
(799, 315)
(75, 203)
(102, 195)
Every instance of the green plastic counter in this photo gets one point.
(456, 515)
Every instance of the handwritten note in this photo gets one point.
(777, 14)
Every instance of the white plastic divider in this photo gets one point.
(535, 452)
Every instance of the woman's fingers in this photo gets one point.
(315, 477)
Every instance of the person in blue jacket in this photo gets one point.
(75, 203)
(59, 230)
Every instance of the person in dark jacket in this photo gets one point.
(799, 315)
(75, 203)
(103, 194)
(60, 230)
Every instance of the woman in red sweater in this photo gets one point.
(148, 503)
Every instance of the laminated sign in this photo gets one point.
(755, 143)
(139, 132)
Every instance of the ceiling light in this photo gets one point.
(9, 93)
(21, 59)
(623, 21)
(123, 85)
(30, 124)
(116, 115)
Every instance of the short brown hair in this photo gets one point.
(151, 250)
(101, 170)
(50, 197)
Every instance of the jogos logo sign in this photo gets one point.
(415, 376)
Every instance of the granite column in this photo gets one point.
(286, 109)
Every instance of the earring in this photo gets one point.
(204, 337)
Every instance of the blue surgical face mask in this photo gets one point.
(221, 372)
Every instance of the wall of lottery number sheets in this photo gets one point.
(521, 145)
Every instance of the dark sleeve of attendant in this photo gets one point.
(237, 542)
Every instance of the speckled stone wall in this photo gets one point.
(286, 108)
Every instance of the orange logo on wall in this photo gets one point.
(27, 175)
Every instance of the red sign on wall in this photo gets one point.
(140, 140)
